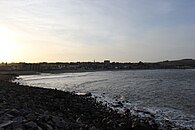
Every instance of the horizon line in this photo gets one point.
(2, 62)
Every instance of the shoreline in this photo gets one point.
(28, 107)
(75, 71)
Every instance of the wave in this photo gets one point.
(90, 82)
(46, 77)
(164, 117)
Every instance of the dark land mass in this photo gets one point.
(33, 108)
(185, 64)
(61, 67)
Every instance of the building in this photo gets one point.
(107, 61)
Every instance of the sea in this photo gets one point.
(168, 94)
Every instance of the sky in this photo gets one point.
(88, 30)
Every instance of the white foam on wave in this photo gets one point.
(163, 116)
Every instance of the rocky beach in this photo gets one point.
(34, 108)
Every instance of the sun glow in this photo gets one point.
(7, 47)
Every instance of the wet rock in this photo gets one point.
(88, 94)
(118, 104)
(84, 94)
(127, 112)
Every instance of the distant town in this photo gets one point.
(59, 67)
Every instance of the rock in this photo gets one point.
(24, 112)
(127, 112)
(78, 120)
(9, 116)
(46, 126)
(92, 128)
(19, 119)
(44, 118)
(32, 126)
(119, 104)
(84, 94)
(59, 122)
(122, 124)
(14, 112)
(5, 124)
(104, 120)
(81, 128)
(31, 117)
(1, 112)
(140, 127)
(39, 128)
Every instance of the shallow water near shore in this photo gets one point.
(168, 94)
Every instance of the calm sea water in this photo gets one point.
(167, 93)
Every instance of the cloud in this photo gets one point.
(120, 30)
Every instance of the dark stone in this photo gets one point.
(14, 112)
(44, 118)
(31, 117)
(46, 126)
(32, 126)
(142, 127)
(59, 122)
(6, 124)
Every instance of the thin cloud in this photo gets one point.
(115, 29)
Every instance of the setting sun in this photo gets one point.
(6, 45)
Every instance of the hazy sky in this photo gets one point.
(84, 30)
